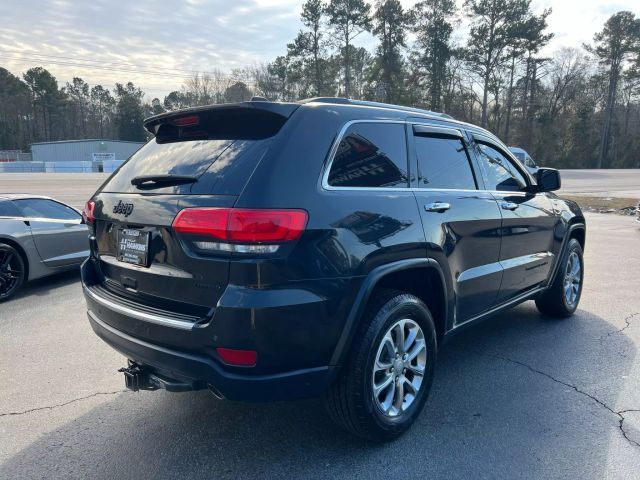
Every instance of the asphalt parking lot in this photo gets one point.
(520, 396)
(76, 188)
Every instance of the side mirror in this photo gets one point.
(548, 180)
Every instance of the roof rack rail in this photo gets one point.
(347, 101)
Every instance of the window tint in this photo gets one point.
(497, 170)
(371, 155)
(221, 166)
(8, 209)
(443, 163)
(43, 208)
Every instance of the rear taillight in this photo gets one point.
(87, 213)
(241, 230)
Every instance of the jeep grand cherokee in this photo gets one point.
(274, 251)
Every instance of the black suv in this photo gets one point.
(273, 251)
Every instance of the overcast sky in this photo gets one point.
(156, 43)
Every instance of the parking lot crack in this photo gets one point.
(627, 324)
(58, 405)
(621, 426)
(627, 321)
(619, 414)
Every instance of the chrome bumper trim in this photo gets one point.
(146, 317)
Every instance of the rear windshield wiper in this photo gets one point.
(158, 181)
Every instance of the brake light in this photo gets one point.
(248, 226)
(87, 213)
(244, 358)
(186, 121)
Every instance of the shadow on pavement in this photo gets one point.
(494, 412)
(44, 286)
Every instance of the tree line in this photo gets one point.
(576, 108)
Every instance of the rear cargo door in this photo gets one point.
(196, 160)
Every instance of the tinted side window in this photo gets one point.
(8, 209)
(498, 172)
(443, 163)
(42, 208)
(371, 155)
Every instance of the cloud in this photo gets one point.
(156, 42)
(148, 36)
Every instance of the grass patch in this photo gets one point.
(605, 204)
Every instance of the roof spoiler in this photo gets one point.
(249, 109)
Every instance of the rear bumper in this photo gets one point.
(204, 371)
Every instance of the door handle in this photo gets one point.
(509, 206)
(437, 207)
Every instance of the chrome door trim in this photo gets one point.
(491, 268)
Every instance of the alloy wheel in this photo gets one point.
(399, 368)
(572, 279)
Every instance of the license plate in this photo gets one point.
(133, 246)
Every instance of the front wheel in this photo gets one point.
(385, 383)
(562, 297)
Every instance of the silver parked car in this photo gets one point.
(525, 159)
(39, 236)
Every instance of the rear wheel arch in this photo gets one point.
(21, 251)
(422, 277)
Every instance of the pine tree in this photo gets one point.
(432, 22)
(348, 18)
(389, 25)
(613, 47)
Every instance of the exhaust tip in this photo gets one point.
(216, 393)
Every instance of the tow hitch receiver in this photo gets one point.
(138, 377)
(135, 378)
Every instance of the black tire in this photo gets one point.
(12, 271)
(553, 302)
(350, 400)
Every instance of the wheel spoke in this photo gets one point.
(399, 396)
(399, 337)
(6, 260)
(384, 384)
(417, 370)
(575, 270)
(418, 347)
(414, 390)
(384, 360)
(387, 403)
(411, 337)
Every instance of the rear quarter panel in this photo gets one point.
(15, 230)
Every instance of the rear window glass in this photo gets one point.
(221, 148)
(221, 166)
